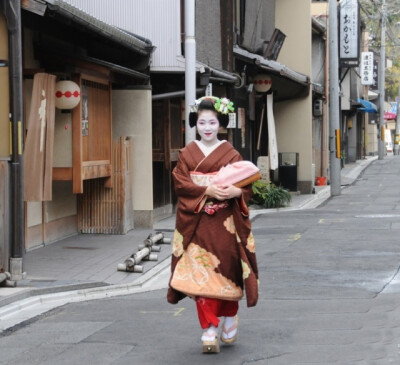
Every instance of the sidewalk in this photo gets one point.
(83, 267)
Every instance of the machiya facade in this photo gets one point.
(81, 163)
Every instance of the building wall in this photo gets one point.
(317, 142)
(352, 138)
(208, 33)
(259, 25)
(293, 19)
(371, 138)
(319, 8)
(132, 117)
(294, 134)
(294, 117)
(137, 16)
(5, 97)
(318, 59)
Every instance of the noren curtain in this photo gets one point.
(38, 153)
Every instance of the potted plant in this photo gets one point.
(268, 195)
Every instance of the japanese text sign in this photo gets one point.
(349, 33)
(367, 68)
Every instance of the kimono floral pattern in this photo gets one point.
(230, 225)
(195, 275)
(250, 243)
(177, 246)
(202, 179)
(246, 270)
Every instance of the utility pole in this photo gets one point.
(190, 67)
(397, 132)
(334, 116)
(381, 134)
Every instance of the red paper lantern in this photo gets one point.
(68, 94)
(262, 83)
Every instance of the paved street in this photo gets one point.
(329, 294)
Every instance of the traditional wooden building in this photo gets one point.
(81, 165)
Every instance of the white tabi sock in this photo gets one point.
(228, 323)
(210, 334)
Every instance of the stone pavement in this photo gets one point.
(86, 265)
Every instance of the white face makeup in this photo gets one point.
(207, 127)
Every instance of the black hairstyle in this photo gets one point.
(208, 104)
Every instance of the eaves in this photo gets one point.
(272, 66)
(131, 41)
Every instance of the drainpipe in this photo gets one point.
(325, 110)
(174, 94)
(190, 67)
(12, 12)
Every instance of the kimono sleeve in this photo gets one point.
(247, 193)
(191, 196)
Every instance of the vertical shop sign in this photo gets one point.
(367, 68)
(375, 83)
(241, 123)
(349, 26)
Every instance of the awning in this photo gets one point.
(367, 106)
(372, 95)
(213, 73)
(389, 116)
(286, 83)
(272, 66)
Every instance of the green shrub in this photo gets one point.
(269, 195)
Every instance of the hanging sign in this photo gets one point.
(375, 84)
(349, 26)
(367, 68)
(232, 120)
(209, 90)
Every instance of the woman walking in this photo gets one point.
(213, 258)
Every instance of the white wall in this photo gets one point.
(132, 117)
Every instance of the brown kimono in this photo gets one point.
(213, 246)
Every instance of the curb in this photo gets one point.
(24, 309)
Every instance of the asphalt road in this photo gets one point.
(329, 294)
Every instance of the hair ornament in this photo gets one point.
(224, 106)
(221, 105)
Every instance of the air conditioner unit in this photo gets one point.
(317, 108)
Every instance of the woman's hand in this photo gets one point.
(233, 191)
(223, 192)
